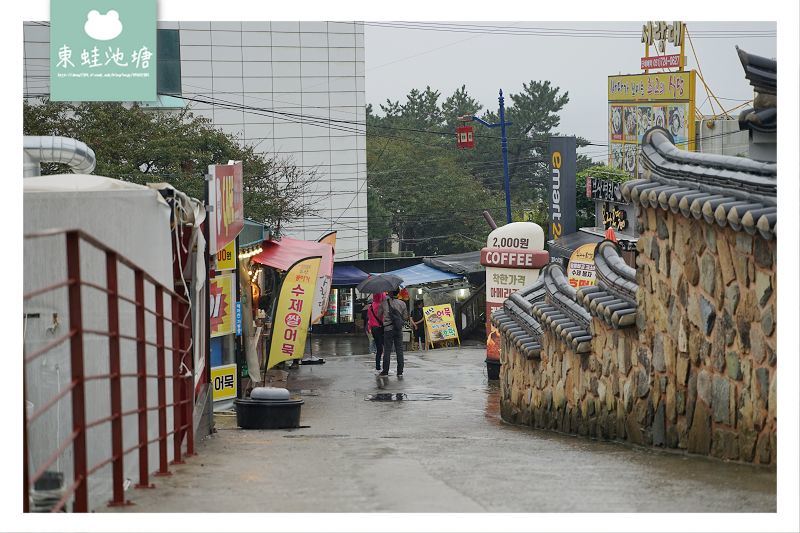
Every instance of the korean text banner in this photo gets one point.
(103, 50)
(227, 197)
(664, 86)
(293, 312)
(440, 323)
(221, 305)
(223, 381)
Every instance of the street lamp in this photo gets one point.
(504, 146)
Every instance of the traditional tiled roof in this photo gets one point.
(733, 191)
(763, 76)
(514, 319)
(613, 297)
(560, 313)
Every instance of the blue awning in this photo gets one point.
(422, 274)
(346, 275)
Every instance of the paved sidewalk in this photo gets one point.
(439, 446)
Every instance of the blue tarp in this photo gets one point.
(346, 275)
(421, 274)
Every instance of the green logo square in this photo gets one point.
(103, 50)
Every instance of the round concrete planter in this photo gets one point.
(267, 414)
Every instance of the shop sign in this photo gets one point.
(638, 102)
(440, 323)
(581, 268)
(226, 258)
(323, 294)
(512, 257)
(561, 200)
(223, 382)
(226, 192)
(660, 32)
(293, 311)
(238, 319)
(604, 190)
(220, 308)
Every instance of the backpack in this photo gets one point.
(397, 320)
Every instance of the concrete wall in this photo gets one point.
(697, 373)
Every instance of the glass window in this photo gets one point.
(169, 62)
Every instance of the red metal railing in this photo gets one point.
(182, 382)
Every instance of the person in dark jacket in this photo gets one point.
(395, 313)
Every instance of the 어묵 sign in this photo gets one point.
(440, 323)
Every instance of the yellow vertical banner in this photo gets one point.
(293, 311)
(221, 305)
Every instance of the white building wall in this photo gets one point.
(303, 76)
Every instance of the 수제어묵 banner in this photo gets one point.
(293, 312)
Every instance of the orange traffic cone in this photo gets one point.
(610, 235)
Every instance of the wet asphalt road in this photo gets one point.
(434, 442)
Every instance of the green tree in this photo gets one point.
(142, 145)
(583, 205)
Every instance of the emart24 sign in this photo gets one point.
(103, 50)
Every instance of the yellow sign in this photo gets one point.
(580, 269)
(223, 382)
(226, 258)
(662, 86)
(221, 305)
(440, 324)
(293, 312)
(638, 102)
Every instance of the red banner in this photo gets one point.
(671, 61)
(226, 192)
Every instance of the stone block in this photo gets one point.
(710, 234)
(633, 431)
(763, 449)
(761, 386)
(642, 383)
(728, 328)
(683, 434)
(768, 320)
(725, 444)
(747, 445)
(721, 400)
(658, 353)
(699, 438)
(671, 407)
(691, 270)
(691, 397)
(733, 365)
(725, 262)
(559, 398)
(731, 299)
(758, 345)
(763, 287)
(655, 255)
(659, 426)
(704, 386)
(627, 394)
(762, 253)
(772, 401)
(680, 401)
(742, 270)
(701, 313)
(708, 273)
(683, 336)
(682, 369)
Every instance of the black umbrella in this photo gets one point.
(380, 283)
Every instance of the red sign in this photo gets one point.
(227, 198)
(671, 61)
(465, 137)
(511, 258)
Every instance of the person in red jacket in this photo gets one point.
(375, 325)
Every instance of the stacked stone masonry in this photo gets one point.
(697, 371)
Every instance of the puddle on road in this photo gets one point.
(407, 396)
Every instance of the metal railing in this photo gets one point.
(181, 378)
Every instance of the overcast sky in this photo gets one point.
(398, 60)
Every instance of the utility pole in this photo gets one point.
(504, 146)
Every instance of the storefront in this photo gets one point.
(345, 303)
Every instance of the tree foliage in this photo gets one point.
(584, 206)
(142, 145)
(430, 194)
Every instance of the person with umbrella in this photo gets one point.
(393, 314)
(375, 325)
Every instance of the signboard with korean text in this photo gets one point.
(638, 102)
(292, 316)
(226, 258)
(513, 255)
(561, 191)
(223, 382)
(611, 209)
(226, 192)
(580, 269)
(440, 324)
(103, 50)
(221, 305)
(323, 294)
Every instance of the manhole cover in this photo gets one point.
(407, 396)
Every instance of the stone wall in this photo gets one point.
(697, 372)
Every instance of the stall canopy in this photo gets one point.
(422, 274)
(284, 253)
(346, 275)
(466, 263)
